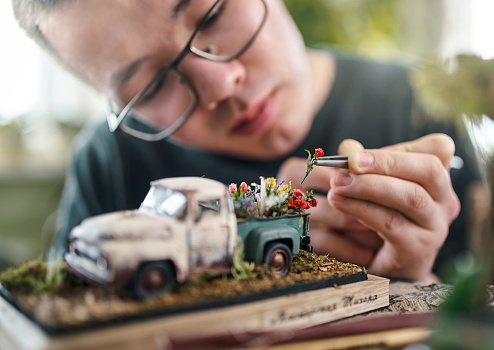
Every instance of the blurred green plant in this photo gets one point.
(359, 24)
(452, 90)
(461, 86)
(464, 320)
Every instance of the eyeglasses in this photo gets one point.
(224, 33)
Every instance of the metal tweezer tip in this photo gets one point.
(332, 161)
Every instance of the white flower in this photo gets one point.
(276, 199)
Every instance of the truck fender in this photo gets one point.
(258, 238)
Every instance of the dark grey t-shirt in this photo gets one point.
(371, 102)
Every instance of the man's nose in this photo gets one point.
(213, 81)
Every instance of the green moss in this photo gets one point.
(37, 276)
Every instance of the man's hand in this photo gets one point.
(390, 212)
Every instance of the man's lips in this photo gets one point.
(257, 118)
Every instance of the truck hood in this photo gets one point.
(123, 225)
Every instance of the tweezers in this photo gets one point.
(332, 161)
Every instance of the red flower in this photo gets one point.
(232, 188)
(243, 187)
(318, 152)
(290, 203)
(301, 204)
(313, 202)
(297, 194)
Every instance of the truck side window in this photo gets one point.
(166, 202)
(208, 208)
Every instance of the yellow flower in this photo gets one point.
(283, 188)
(271, 181)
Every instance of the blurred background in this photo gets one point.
(42, 108)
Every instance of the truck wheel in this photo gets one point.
(153, 278)
(279, 257)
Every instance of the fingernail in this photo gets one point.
(365, 159)
(343, 179)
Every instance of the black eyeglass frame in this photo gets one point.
(114, 121)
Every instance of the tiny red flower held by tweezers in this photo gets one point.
(318, 152)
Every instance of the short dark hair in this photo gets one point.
(28, 14)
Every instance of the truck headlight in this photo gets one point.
(102, 263)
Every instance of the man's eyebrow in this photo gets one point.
(181, 4)
(127, 72)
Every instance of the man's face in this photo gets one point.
(259, 105)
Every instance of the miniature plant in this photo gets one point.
(244, 200)
(318, 152)
(270, 199)
(38, 276)
(241, 269)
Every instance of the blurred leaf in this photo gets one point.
(463, 85)
(349, 23)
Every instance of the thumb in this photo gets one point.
(348, 146)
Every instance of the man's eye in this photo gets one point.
(153, 90)
(213, 16)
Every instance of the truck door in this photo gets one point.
(209, 236)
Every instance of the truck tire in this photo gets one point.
(153, 278)
(278, 256)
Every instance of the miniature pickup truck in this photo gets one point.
(184, 226)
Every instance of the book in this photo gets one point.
(289, 308)
(372, 330)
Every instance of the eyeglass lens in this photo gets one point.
(161, 105)
(227, 30)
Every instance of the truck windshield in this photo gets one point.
(166, 202)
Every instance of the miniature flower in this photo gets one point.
(270, 199)
(297, 194)
(313, 202)
(244, 187)
(271, 181)
(318, 152)
(283, 189)
(274, 201)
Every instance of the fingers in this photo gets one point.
(336, 245)
(367, 239)
(348, 146)
(440, 145)
(325, 215)
(390, 223)
(423, 169)
(402, 196)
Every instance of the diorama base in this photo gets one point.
(296, 309)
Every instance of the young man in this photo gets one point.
(226, 89)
